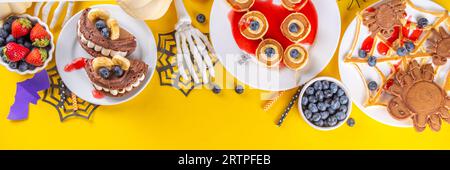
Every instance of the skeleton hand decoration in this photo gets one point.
(56, 15)
(191, 42)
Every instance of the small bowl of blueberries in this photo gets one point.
(324, 103)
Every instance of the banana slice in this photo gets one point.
(113, 25)
(98, 13)
(123, 62)
(102, 62)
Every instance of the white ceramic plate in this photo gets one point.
(50, 52)
(353, 81)
(259, 76)
(68, 49)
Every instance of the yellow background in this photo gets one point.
(162, 118)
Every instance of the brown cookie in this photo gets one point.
(294, 5)
(269, 52)
(92, 40)
(253, 25)
(295, 57)
(296, 27)
(118, 86)
(416, 95)
(241, 5)
(439, 46)
(384, 17)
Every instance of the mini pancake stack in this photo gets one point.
(296, 27)
(110, 71)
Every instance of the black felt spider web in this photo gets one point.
(166, 66)
(59, 96)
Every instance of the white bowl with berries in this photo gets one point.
(324, 103)
(26, 44)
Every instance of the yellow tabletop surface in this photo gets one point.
(163, 118)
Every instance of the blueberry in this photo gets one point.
(105, 32)
(294, 53)
(316, 117)
(333, 87)
(48, 48)
(372, 61)
(23, 66)
(308, 114)
(343, 100)
(10, 38)
(239, 89)
(313, 108)
(312, 99)
(319, 123)
(328, 93)
(331, 110)
(310, 90)
(270, 52)
(216, 89)
(351, 122)
(327, 103)
(7, 27)
(332, 121)
(373, 85)
(305, 100)
(21, 41)
(401, 51)
(340, 116)
(104, 72)
(3, 33)
(340, 92)
(100, 24)
(335, 104)
(324, 115)
(343, 108)
(319, 95)
(422, 22)
(325, 85)
(254, 25)
(2, 42)
(336, 97)
(321, 106)
(201, 18)
(11, 19)
(31, 67)
(28, 45)
(325, 123)
(362, 54)
(410, 46)
(317, 85)
(4, 59)
(294, 28)
(117, 71)
(13, 65)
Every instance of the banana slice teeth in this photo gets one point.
(98, 13)
(102, 62)
(113, 25)
(123, 62)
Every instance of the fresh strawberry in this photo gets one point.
(39, 36)
(20, 27)
(37, 57)
(15, 52)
